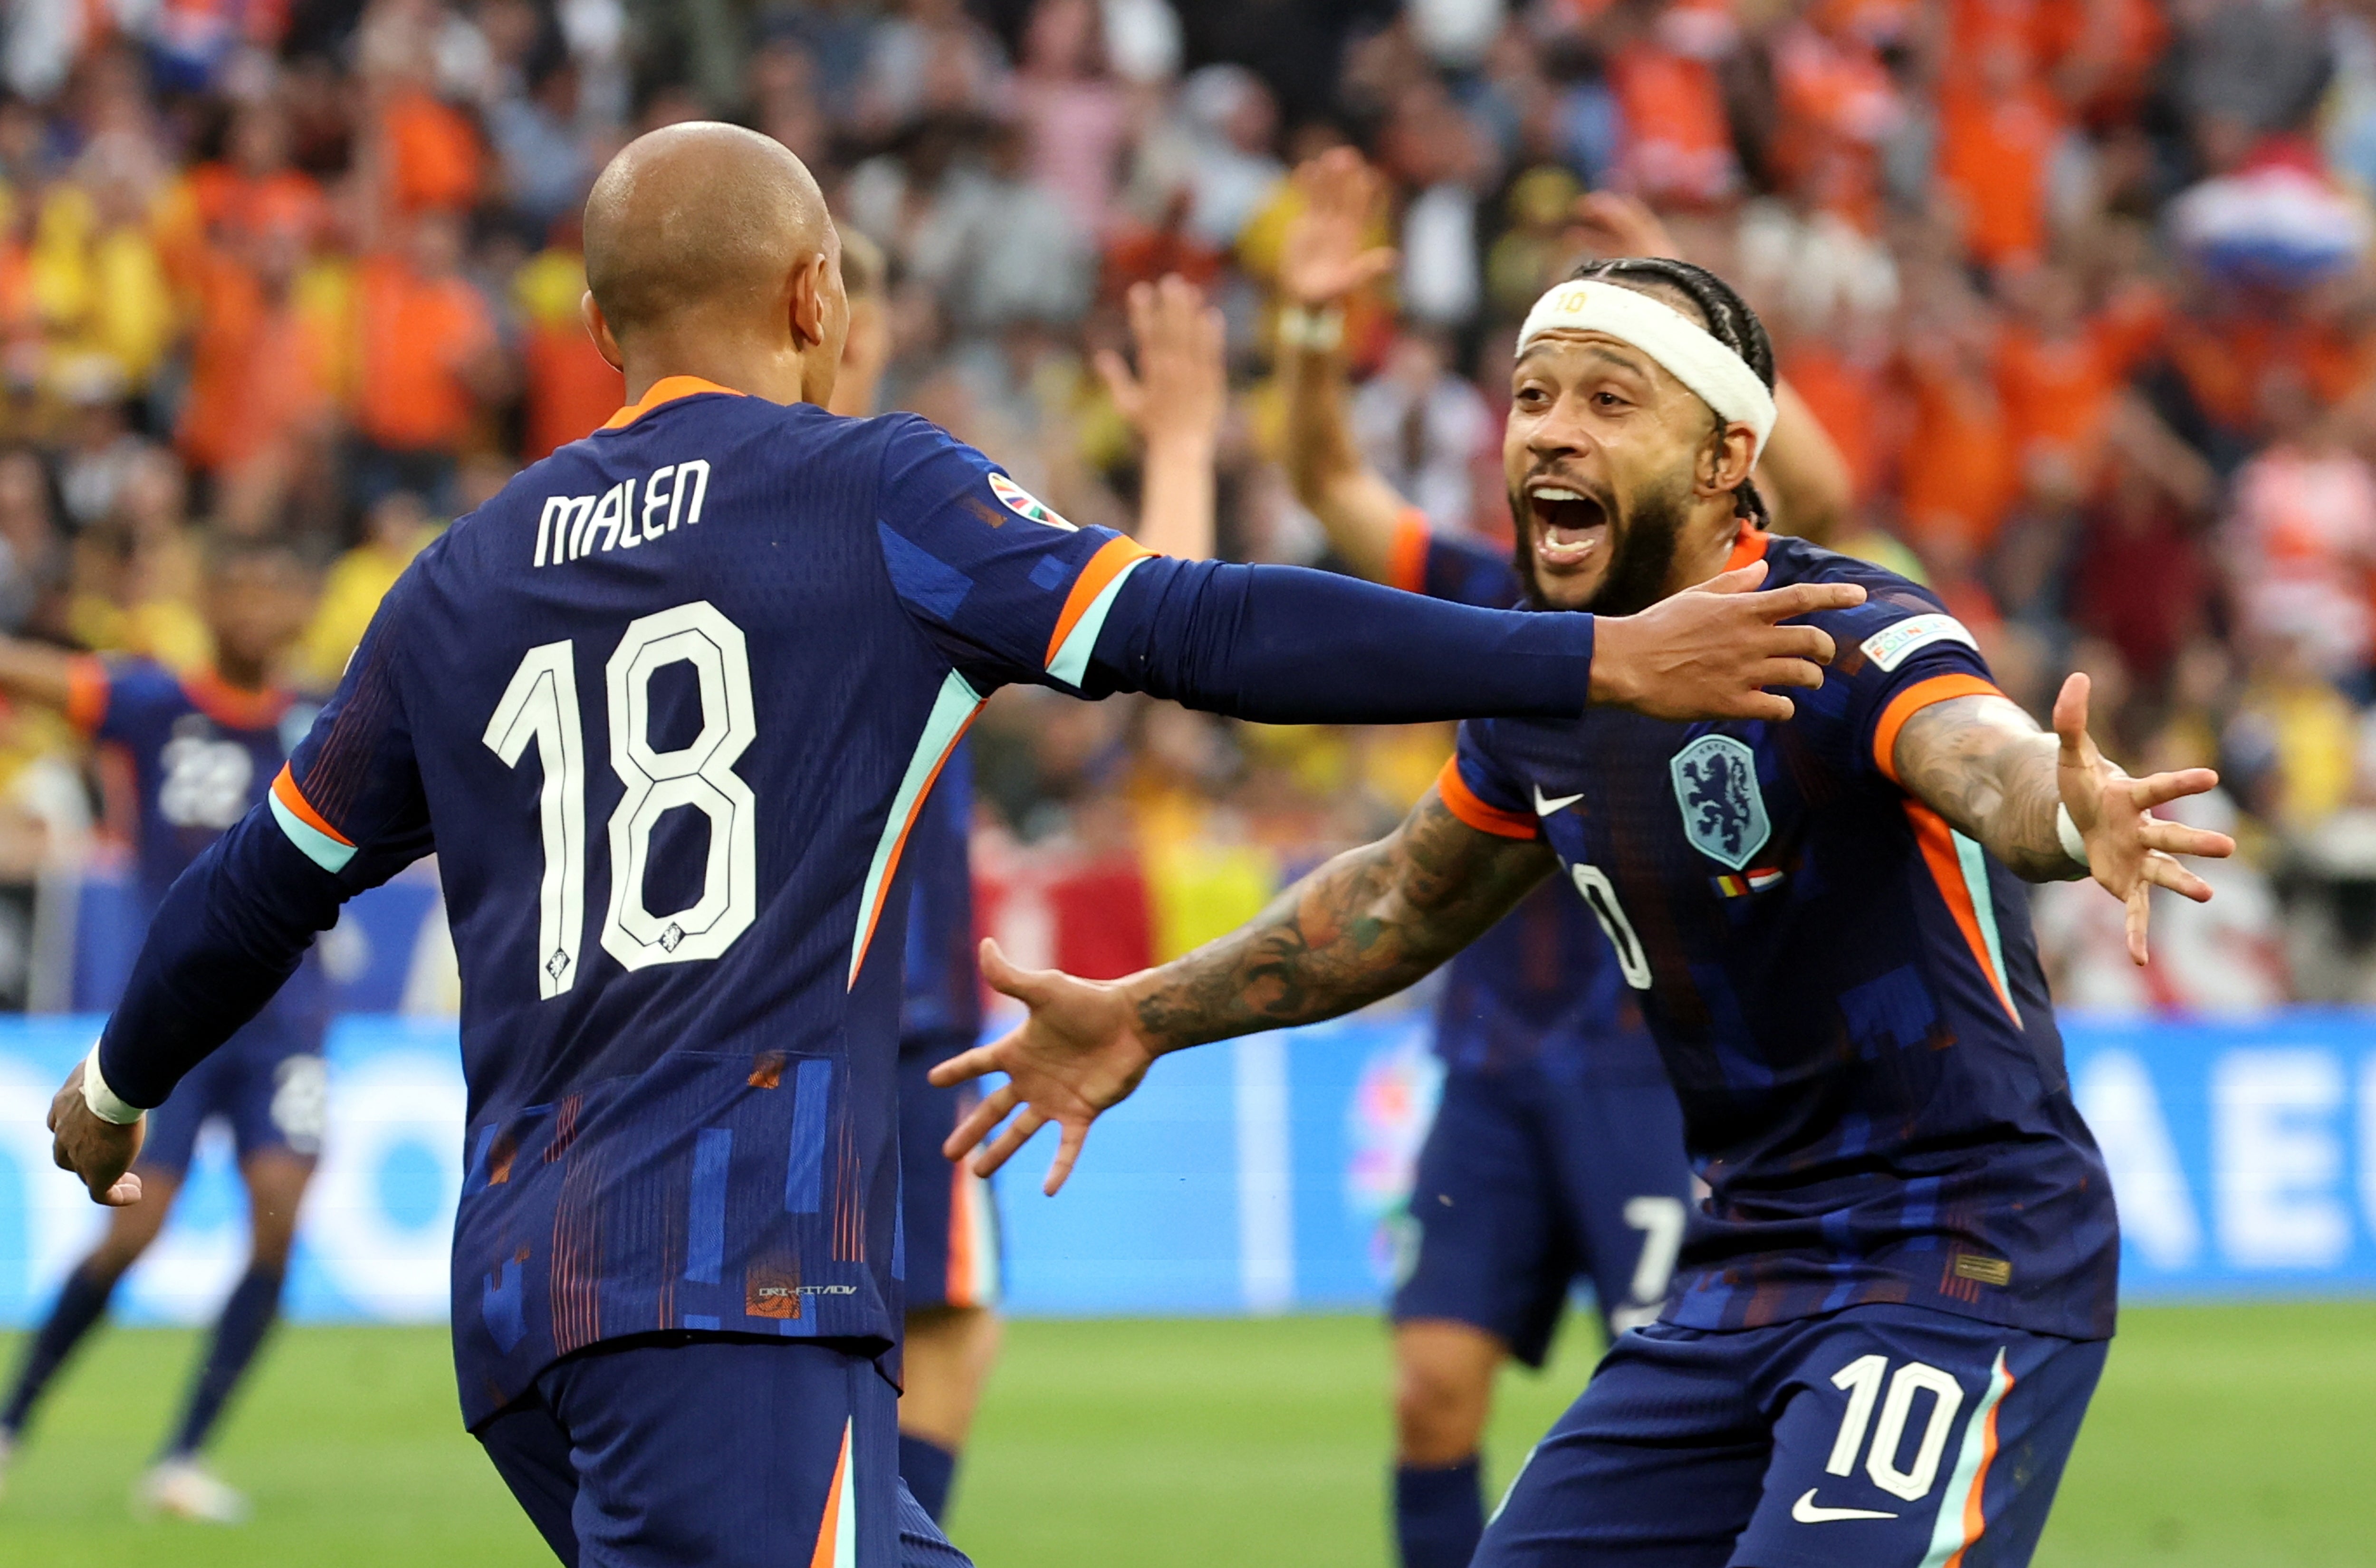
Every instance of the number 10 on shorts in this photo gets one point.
(1862, 1380)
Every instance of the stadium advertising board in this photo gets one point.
(1265, 1175)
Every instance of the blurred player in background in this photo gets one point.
(952, 1222)
(1894, 1305)
(203, 748)
(1557, 1149)
(743, 634)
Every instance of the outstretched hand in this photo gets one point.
(1078, 1054)
(98, 1151)
(1711, 651)
(1326, 254)
(2129, 850)
(1181, 388)
(1611, 223)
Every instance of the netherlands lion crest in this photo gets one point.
(1724, 814)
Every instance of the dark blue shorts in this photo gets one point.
(1534, 1176)
(951, 1223)
(268, 1082)
(731, 1453)
(1877, 1437)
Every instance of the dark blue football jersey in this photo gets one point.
(676, 701)
(201, 753)
(1844, 989)
(668, 708)
(1542, 982)
(943, 1002)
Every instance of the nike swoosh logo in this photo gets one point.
(1556, 803)
(1807, 1512)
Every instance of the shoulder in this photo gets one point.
(142, 681)
(1470, 571)
(1898, 617)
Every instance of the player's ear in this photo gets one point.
(599, 330)
(812, 282)
(1725, 460)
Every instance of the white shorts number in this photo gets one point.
(1862, 1378)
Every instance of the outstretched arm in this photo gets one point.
(37, 673)
(1363, 926)
(1984, 764)
(1175, 403)
(1326, 257)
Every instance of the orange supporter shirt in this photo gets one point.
(572, 389)
(1846, 401)
(259, 371)
(1678, 143)
(2056, 392)
(432, 153)
(1960, 475)
(230, 200)
(418, 334)
(1994, 151)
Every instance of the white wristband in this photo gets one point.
(1300, 327)
(2068, 831)
(102, 1100)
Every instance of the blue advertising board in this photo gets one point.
(1263, 1175)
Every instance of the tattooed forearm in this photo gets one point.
(1363, 926)
(1984, 764)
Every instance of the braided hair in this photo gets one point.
(1727, 315)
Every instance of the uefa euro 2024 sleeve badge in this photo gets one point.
(1724, 814)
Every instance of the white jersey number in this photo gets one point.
(1594, 885)
(541, 704)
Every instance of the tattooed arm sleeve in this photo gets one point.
(1985, 766)
(1363, 926)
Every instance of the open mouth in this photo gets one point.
(1571, 529)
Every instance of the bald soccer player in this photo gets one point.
(665, 708)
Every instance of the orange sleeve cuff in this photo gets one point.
(1102, 568)
(1407, 556)
(1913, 700)
(1463, 802)
(285, 790)
(86, 694)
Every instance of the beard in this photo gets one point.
(1643, 538)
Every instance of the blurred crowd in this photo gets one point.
(2080, 290)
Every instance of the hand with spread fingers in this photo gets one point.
(1078, 1053)
(2129, 850)
(1327, 252)
(1180, 390)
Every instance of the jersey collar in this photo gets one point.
(231, 707)
(667, 390)
(1748, 545)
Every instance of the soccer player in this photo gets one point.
(666, 707)
(1894, 1305)
(202, 749)
(1557, 1147)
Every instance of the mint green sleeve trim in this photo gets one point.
(319, 846)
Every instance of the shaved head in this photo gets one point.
(701, 222)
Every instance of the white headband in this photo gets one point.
(1691, 354)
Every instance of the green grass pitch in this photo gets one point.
(2230, 1436)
